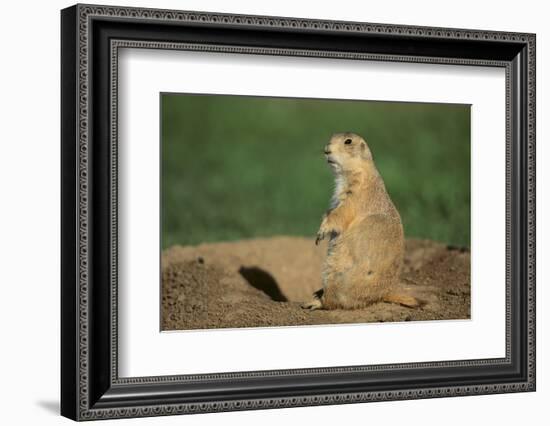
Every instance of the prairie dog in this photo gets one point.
(366, 242)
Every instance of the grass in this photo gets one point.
(242, 167)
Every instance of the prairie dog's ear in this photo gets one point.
(365, 151)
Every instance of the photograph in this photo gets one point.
(271, 209)
(298, 211)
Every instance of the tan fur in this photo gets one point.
(366, 241)
(402, 299)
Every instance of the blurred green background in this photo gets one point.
(236, 167)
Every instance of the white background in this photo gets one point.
(143, 351)
(29, 223)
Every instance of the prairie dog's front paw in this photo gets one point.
(319, 237)
(324, 230)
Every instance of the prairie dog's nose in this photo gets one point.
(327, 150)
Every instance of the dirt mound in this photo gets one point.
(261, 282)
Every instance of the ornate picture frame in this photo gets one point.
(91, 37)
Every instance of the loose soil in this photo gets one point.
(261, 283)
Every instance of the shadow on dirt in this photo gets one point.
(263, 281)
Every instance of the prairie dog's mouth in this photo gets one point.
(334, 165)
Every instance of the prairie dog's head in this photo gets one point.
(346, 152)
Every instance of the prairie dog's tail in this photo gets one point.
(402, 299)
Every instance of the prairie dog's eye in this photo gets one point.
(347, 141)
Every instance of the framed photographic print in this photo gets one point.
(263, 212)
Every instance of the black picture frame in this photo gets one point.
(90, 386)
